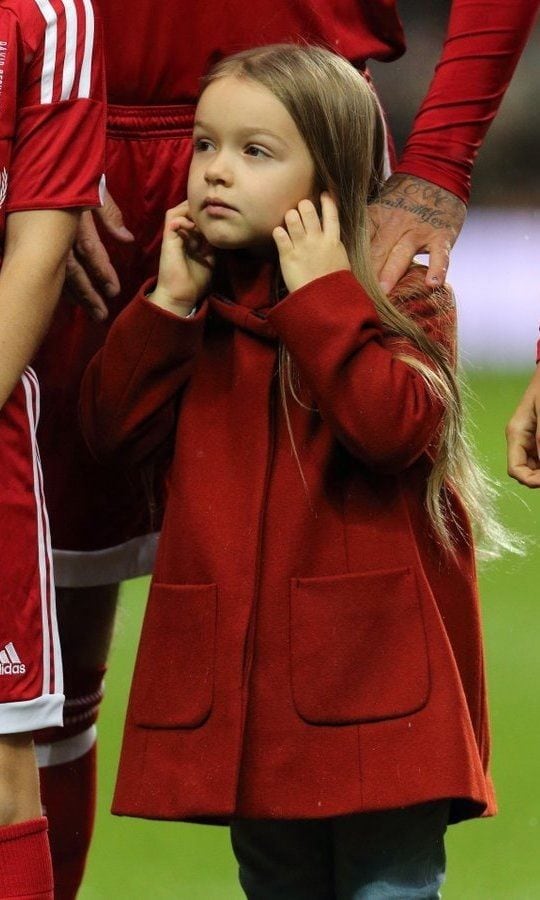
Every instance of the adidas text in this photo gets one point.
(12, 668)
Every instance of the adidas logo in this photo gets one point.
(10, 663)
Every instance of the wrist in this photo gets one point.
(161, 298)
(300, 280)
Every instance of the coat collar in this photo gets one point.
(245, 289)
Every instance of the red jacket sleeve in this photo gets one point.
(377, 405)
(483, 44)
(59, 143)
(130, 389)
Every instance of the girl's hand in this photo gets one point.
(307, 247)
(186, 263)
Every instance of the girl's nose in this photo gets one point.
(218, 171)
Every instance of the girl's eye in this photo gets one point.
(201, 145)
(254, 150)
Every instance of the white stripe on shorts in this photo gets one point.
(81, 568)
(31, 715)
(67, 749)
(52, 668)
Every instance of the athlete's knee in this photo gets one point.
(19, 786)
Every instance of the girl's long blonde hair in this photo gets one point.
(339, 118)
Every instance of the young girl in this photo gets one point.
(310, 667)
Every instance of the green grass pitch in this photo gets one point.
(495, 859)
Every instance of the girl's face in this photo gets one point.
(250, 164)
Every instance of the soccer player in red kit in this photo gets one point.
(155, 56)
(51, 165)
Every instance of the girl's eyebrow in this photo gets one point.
(255, 129)
(250, 131)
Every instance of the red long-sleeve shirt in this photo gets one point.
(156, 53)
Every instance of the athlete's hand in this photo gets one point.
(523, 436)
(413, 216)
(90, 276)
(186, 263)
(308, 246)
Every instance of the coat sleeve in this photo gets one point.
(378, 405)
(130, 390)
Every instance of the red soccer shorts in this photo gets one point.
(31, 690)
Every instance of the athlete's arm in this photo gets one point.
(422, 206)
(36, 247)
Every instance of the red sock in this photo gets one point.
(25, 861)
(68, 797)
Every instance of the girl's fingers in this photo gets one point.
(310, 217)
(330, 216)
(294, 224)
(181, 223)
(281, 238)
(182, 209)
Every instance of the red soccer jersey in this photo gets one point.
(156, 53)
(51, 105)
(51, 156)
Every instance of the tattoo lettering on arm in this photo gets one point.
(431, 204)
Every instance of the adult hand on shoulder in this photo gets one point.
(308, 246)
(186, 263)
(523, 436)
(413, 216)
(90, 276)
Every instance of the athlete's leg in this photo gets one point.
(67, 756)
(31, 693)
(25, 862)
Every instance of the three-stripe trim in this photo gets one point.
(52, 665)
(76, 80)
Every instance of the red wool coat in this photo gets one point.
(308, 649)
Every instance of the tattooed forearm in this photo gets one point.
(431, 204)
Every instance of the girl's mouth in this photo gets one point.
(215, 205)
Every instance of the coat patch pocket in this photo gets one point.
(358, 647)
(174, 676)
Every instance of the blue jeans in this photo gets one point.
(392, 855)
